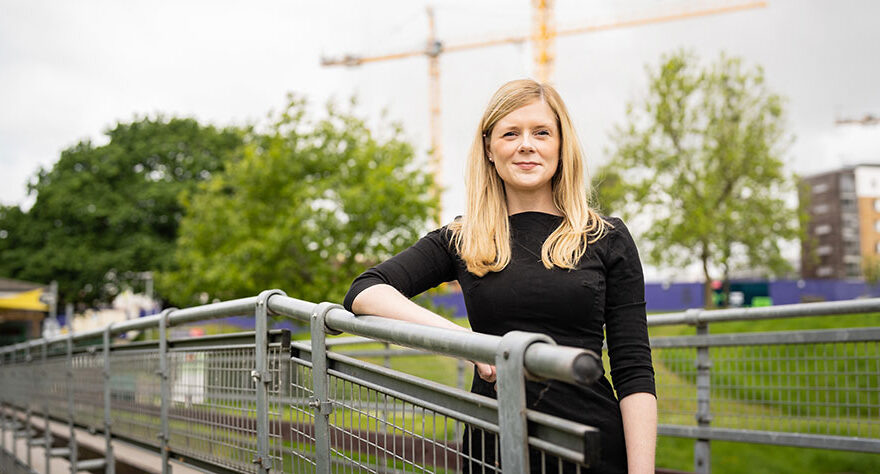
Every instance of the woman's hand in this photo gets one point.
(486, 371)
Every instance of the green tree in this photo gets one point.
(310, 204)
(702, 156)
(871, 271)
(104, 213)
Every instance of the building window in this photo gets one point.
(851, 247)
(877, 225)
(826, 249)
(853, 269)
(824, 271)
(820, 188)
(823, 229)
(877, 248)
(877, 205)
(822, 208)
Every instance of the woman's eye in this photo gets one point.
(543, 133)
(509, 134)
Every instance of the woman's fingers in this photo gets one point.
(486, 371)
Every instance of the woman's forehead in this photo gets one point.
(536, 112)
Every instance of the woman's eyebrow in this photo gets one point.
(545, 125)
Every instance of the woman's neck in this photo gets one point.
(541, 200)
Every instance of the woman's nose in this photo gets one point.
(526, 143)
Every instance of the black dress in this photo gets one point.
(571, 306)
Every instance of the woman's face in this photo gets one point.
(524, 146)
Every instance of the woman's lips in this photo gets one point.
(526, 165)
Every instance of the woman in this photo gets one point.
(531, 255)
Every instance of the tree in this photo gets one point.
(702, 156)
(871, 271)
(309, 205)
(103, 214)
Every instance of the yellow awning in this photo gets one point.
(28, 300)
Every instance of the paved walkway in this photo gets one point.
(145, 460)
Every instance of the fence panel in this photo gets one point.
(88, 389)
(821, 388)
(816, 389)
(135, 397)
(386, 421)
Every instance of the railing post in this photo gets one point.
(320, 385)
(29, 360)
(702, 451)
(512, 399)
(3, 404)
(164, 391)
(71, 442)
(47, 433)
(262, 378)
(110, 466)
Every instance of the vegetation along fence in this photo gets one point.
(259, 402)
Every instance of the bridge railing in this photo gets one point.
(259, 402)
(199, 399)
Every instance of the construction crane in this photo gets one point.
(543, 36)
(868, 119)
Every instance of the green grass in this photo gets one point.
(736, 458)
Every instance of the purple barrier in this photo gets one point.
(673, 296)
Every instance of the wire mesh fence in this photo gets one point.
(135, 397)
(401, 426)
(776, 384)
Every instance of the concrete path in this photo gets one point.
(145, 460)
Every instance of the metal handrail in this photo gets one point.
(542, 360)
(826, 308)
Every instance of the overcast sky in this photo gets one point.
(69, 70)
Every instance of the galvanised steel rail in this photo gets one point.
(255, 402)
(807, 388)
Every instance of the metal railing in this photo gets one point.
(246, 403)
(805, 388)
(257, 402)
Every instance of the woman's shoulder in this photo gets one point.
(446, 234)
(616, 234)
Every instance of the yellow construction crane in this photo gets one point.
(543, 38)
(868, 119)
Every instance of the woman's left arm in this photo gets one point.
(639, 412)
(629, 350)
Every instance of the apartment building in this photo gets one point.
(844, 227)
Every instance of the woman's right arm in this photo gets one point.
(384, 290)
(384, 300)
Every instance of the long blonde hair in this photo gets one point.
(482, 236)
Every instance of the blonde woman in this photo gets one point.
(530, 254)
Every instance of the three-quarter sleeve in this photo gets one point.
(428, 263)
(626, 325)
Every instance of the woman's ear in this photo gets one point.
(486, 150)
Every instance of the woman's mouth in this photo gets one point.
(526, 165)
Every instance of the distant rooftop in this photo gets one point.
(8, 285)
(842, 169)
